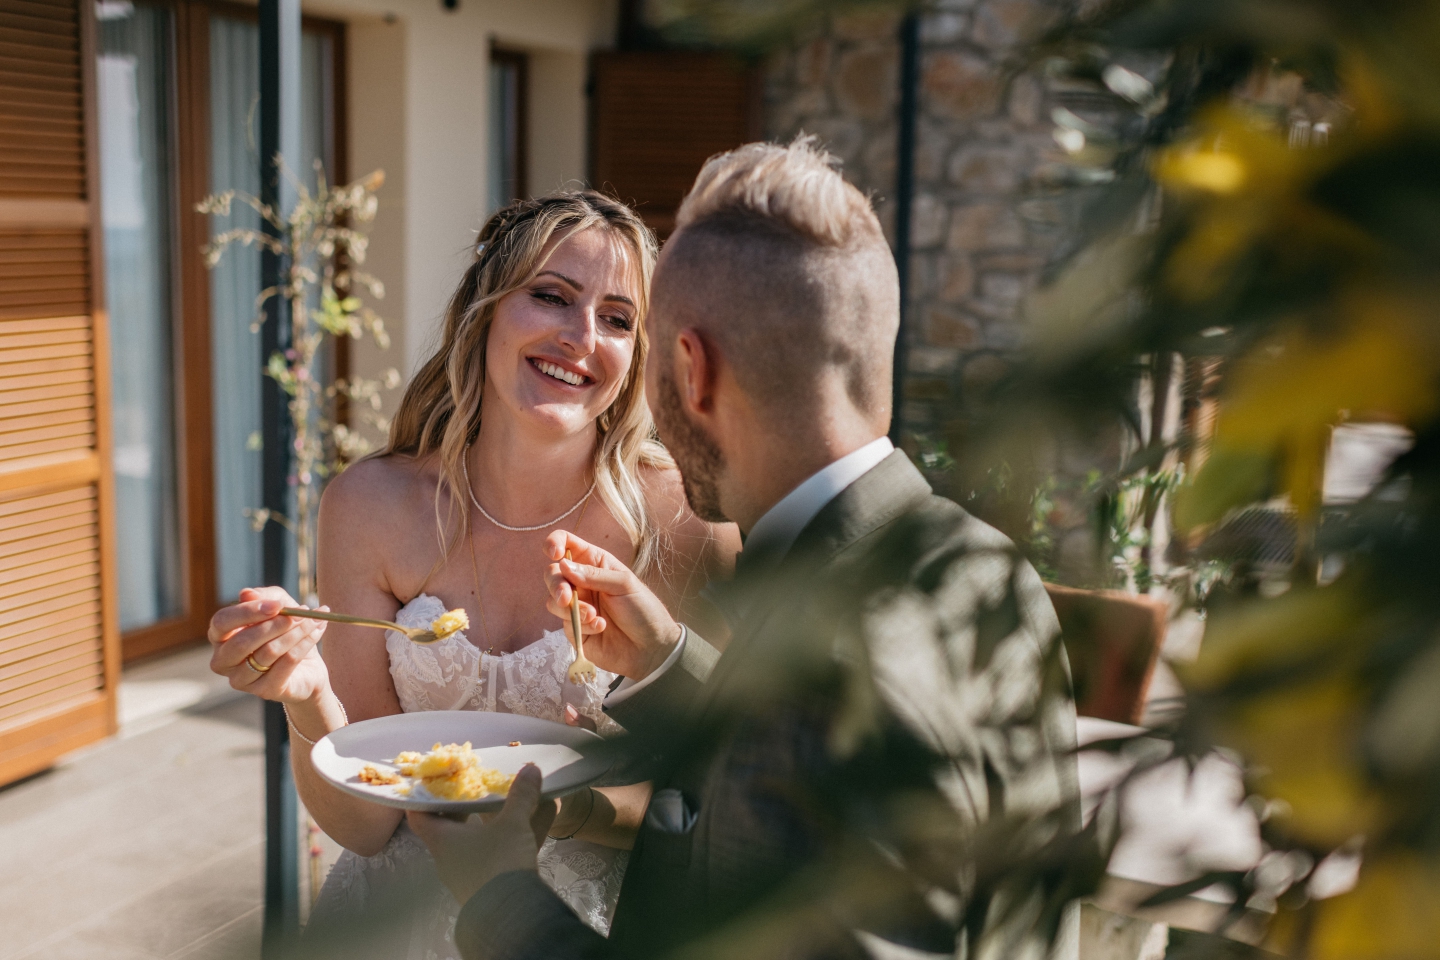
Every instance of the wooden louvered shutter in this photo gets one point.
(658, 116)
(59, 649)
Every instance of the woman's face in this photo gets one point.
(560, 346)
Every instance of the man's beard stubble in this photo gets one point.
(697, 456)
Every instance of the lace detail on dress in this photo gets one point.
(455, 675)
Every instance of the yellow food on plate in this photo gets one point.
(453, 772)
(450, 622)
(373, 775)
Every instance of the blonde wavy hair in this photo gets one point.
(440, 411)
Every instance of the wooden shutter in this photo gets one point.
(59, 649)
(658, 116)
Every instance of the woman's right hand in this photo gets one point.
(293, 671)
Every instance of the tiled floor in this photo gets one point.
(146, 847)
(150, 846)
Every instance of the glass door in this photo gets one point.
(177, 94)
(134, 80)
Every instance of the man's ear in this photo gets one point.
(696, 367)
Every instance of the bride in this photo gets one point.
(530, 416)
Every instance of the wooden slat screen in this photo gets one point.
(658, 116)
(59, 652)
(42, 135)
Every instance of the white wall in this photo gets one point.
(417, 82)
(557, 158)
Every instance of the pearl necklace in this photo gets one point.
(470, 488)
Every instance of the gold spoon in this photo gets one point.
(416, 635)
(582, 670)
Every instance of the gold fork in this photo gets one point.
(416, 635)
(582, 670)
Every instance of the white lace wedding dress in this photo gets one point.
(455, 675)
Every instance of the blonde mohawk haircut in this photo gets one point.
(795, 187)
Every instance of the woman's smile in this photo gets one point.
(556, 370)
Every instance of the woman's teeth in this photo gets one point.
(559, 373)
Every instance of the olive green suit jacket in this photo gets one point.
(893, 701)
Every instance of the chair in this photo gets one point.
(1113, 640)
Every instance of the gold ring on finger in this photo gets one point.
(250, 662)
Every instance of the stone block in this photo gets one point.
(840, 135)
(867, 82)
(981, 372)
(943, 27)
(958, 86)
(932, 143)
(1007, 335)
(1001, 24)
(959, 283)
(985, 226)
(987, 170)
(879, 159)
(1011, 262)
(1004, 290)
(925, 360)
(1027, 101)
(1045, 212)
(948, 327)
(867, 25)
(928, 218)
(812, 62)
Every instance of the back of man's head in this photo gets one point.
(784, 264)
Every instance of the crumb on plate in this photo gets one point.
(373, 775)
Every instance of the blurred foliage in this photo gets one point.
(322, 244)
(1261, 190)
(1259, 231)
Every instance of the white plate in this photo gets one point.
(565, 755)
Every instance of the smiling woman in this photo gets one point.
(530, 415)
(582, 262)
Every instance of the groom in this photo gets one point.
(890, 726)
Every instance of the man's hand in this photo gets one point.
(627, 628)
(469, 855)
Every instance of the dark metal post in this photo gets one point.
(904, 202)
(279, 138)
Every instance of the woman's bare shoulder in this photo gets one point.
(379, 493)
(691, 541)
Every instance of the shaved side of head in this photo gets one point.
(784, 264)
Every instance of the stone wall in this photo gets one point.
(982, 223)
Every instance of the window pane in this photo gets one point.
(504, 147)
(135, 162)
(235, 282)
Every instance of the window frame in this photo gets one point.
(519, 60)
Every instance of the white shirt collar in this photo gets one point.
(775, 532)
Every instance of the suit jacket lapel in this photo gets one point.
(887, 491)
